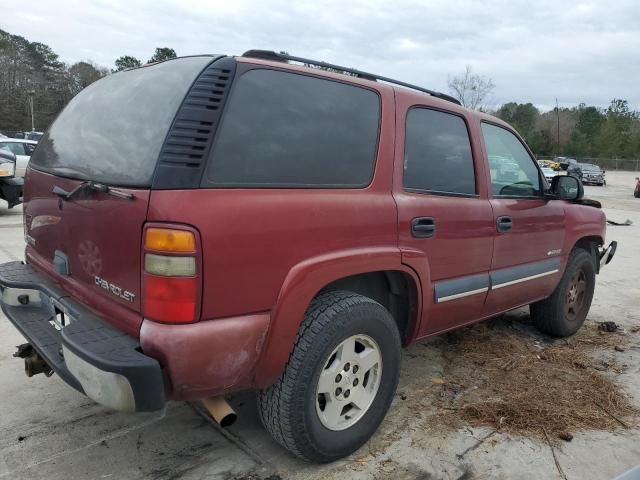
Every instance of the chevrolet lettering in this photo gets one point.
(114, 289)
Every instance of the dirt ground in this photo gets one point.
(490, 401)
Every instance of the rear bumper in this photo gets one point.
(88, 353)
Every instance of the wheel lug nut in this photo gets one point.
(347, 393)
(338, 378)
(355, 382)
(355, 369)
(338, 391)
(346, 367)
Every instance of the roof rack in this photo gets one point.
(284, 57)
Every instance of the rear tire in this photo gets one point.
(564, 312)
(322, 408)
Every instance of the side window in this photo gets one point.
(437, 153)
(282, 129)
(14, 147)
(513, 171)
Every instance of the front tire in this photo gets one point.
(564, 312)
(339, 381)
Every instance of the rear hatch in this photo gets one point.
(88, 185)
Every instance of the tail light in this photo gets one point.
(171, 286)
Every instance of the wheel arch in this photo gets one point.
(590, 243)
(368, 271)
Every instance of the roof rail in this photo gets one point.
(284, 57)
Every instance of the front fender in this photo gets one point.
(582, 221)
(301, 285)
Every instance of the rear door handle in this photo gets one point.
(504, 223)
(423, 227)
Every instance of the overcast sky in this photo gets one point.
(534, 51)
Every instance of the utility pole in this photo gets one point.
(33, 124)
(558, 124)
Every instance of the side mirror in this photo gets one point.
(7, 156)
(567, 187)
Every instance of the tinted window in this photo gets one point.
(437, 154)
(113, 130)
(283, 129)
(513, 171)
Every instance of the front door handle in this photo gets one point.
(423, 227)
(504, 223)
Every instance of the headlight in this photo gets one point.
(7, 169)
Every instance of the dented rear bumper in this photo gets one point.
(209, 357)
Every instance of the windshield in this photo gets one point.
(589, 168)
(113, 130)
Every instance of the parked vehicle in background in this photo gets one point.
(550, 164)
(10, 186)
(36, 136)
(591, 174)
(565, 162)
(574, 170)
(339, 217)
(548, 173)
(22, 149)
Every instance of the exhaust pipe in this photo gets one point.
(220, 410)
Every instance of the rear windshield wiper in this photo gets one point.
(94, 186)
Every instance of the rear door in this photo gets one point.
(529, 229)
(445, 220)
(89, 241)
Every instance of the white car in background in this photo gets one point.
(548, 173)
(22, 150)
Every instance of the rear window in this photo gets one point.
(113, 130)
(288, 130)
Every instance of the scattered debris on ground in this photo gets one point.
(608, 327)
(510, 379)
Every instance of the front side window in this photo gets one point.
(437, 153)
(14, 147)
(288, 130)
(513, 171)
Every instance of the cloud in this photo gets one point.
(534, 51)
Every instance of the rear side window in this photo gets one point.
(113, 130)
(437, 154)
(288, 130)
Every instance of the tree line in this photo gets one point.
(582, 131)
(33, 72)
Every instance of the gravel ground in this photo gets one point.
(49, 431)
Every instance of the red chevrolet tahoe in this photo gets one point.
(212, 224)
